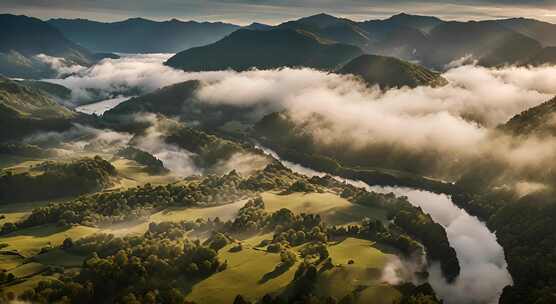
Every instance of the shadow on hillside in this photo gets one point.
(278, 271)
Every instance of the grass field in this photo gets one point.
(224, 212)
(365, 273)
(27, 270)
(10, 261)
(59, 257)
(28, 242)
(333, 209)
(29, 283)
(244, 275)
(14, 212)
(133, 174)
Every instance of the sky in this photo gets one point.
(244, 12)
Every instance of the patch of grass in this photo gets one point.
(29, 241)
(14, 212)
(133, 174)
(224, 212)
(10, 261)
(333, 209)
(363, 275)
(28, 270)
(29, 283)
(243, 275)
(59, 257)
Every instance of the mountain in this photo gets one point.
(25, 109)
(330, 28)
(255, 26)
(539, 120)
(538, 30)
(138, 35)
(179, 100)
(23, 38)
(546, 56)
(491, 44)
(422, 23)
(388, 72)
(246, 49)
(167, 100)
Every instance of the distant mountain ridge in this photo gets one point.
(432, 42)
(139, 35)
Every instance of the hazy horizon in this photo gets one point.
(243, 12)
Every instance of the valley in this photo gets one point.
(330, 159)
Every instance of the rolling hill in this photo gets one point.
(25, 109)
(388, 72)
(539, 120)
(131, 35)
(246, 49)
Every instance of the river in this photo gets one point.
(102, 106)
(484, 271)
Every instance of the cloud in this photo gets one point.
(129, 75)
(243, 163)
(60, 65)
(446, 128)
(455, 123)
(178, 160)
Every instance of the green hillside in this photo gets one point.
(388, 72)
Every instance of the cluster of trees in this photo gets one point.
(153, 164)
(135, 203)
(303, 186)
(6, 277)
(152, 268)
(57, 179)
(209, 149)
(111, 207)
(374, 230)
(274, 176)
(292, 230)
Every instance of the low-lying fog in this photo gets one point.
(455, 122)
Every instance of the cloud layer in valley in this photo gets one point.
(455, 121)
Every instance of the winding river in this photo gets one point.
(483, 266)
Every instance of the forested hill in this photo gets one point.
(389, 72)
(539, 120)
(245, 49)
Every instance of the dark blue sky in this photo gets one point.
(276, 11)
